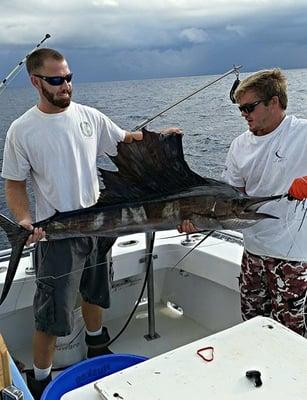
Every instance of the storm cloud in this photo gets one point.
(129, 39)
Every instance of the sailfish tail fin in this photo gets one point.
(17, 236)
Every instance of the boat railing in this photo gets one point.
(6, 253)
(228, 236)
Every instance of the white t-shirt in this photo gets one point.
(266, 165)
(60, 151)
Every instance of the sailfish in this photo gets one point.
(152, 190)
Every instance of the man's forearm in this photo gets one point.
(17, 200)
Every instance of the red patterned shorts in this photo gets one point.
(274, 288)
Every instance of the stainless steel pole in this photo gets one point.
(152, 334)
(17, 69)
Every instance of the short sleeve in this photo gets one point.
(15, 164)
(109, 136)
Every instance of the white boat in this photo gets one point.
(195, 300)
(204, 286)
(187, 306)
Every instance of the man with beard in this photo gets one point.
(57, 142)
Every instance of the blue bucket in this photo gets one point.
(88, 371)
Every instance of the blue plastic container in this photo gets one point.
(88, 371)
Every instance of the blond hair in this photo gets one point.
(265, 84)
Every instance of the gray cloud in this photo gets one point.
(133, 39)
(195, 35)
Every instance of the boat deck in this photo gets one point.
(174, 331)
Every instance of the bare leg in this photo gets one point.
(43, 348)
(92, 315)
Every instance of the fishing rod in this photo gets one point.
(235, 70)
(15, 71)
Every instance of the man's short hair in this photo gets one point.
(265, 84)
(36, 59)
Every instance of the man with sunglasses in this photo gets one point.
(264, 161)
(57, 143)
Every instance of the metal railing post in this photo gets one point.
(152, 334)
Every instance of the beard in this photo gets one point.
(61, 103)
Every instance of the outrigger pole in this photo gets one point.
(235, 70)
(17, 69)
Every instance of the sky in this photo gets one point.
(106, 40)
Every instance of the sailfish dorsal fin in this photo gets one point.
(148, 168)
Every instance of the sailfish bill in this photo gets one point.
(153, 190)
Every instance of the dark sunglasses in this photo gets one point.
(55, 80)
(248, 108)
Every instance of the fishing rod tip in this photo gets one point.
(47, 36)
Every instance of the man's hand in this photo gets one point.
(172, 130)
(187, 227)
(36, 233)
(130, 136)
(138, 135)
(298, 188)
(18, 203)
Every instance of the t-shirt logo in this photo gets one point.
(86, 128)
(279, 157)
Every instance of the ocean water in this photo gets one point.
(208, 119)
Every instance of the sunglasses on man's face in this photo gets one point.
(250, 107)
(55, 80)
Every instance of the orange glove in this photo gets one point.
(298, 188)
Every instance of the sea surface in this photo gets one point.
(208, 119)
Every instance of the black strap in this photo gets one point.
(233, 89)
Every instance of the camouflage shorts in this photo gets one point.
(274, 288)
